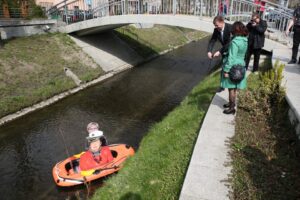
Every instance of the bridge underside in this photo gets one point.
(96, 25)
(98, 29)
(110, 22)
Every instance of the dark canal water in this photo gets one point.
(125, 107)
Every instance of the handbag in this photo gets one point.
(237, 73)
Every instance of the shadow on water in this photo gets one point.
(125, 106)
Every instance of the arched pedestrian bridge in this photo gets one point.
(111, 22)
(90, 16)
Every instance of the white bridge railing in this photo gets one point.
(72, 11)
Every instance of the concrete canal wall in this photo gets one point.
(21, 28)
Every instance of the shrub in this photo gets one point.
(268, 96)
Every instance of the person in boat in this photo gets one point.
(95, 156)
(94, 126)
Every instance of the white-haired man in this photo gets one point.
(94, 126)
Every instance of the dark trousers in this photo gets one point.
(256, 53)
(296, 41)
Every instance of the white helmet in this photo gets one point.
(94, 135)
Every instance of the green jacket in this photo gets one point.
(235, 55)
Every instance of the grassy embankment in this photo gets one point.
(157, 39)
(32, 69)
(158, 169)
(266, 151)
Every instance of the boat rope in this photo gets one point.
(65, 145)
(86, 183)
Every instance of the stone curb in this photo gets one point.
(291, 82)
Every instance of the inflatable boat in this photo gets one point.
(67, 173)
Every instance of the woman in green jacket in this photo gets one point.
(236, 56)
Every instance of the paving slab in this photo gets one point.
(208, 189)
(208, 171)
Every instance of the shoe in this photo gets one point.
(292, 62)
(220, 89)
(227, 105)
(229, 111)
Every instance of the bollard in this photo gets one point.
(70, 74)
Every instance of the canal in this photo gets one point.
(125, 106)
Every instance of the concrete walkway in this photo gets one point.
(207, 175)
(209, 169)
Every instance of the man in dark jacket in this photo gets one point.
(296, 38)
(222, 33)
(256, 40)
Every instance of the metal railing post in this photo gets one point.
(201, 9)
(66, 12)
(174, 7)
(210, 7)
(280, 24)
(231, 8)
(84, 11)
(239, 10)
(217, 7)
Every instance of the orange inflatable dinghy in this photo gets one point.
(67, 173)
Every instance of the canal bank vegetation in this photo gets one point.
(32, 69)
(157, 170)
(265, 148)
(149, 41)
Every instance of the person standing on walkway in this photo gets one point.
(222, 33)
(235, 57)
(256, 41)
(296, 38)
